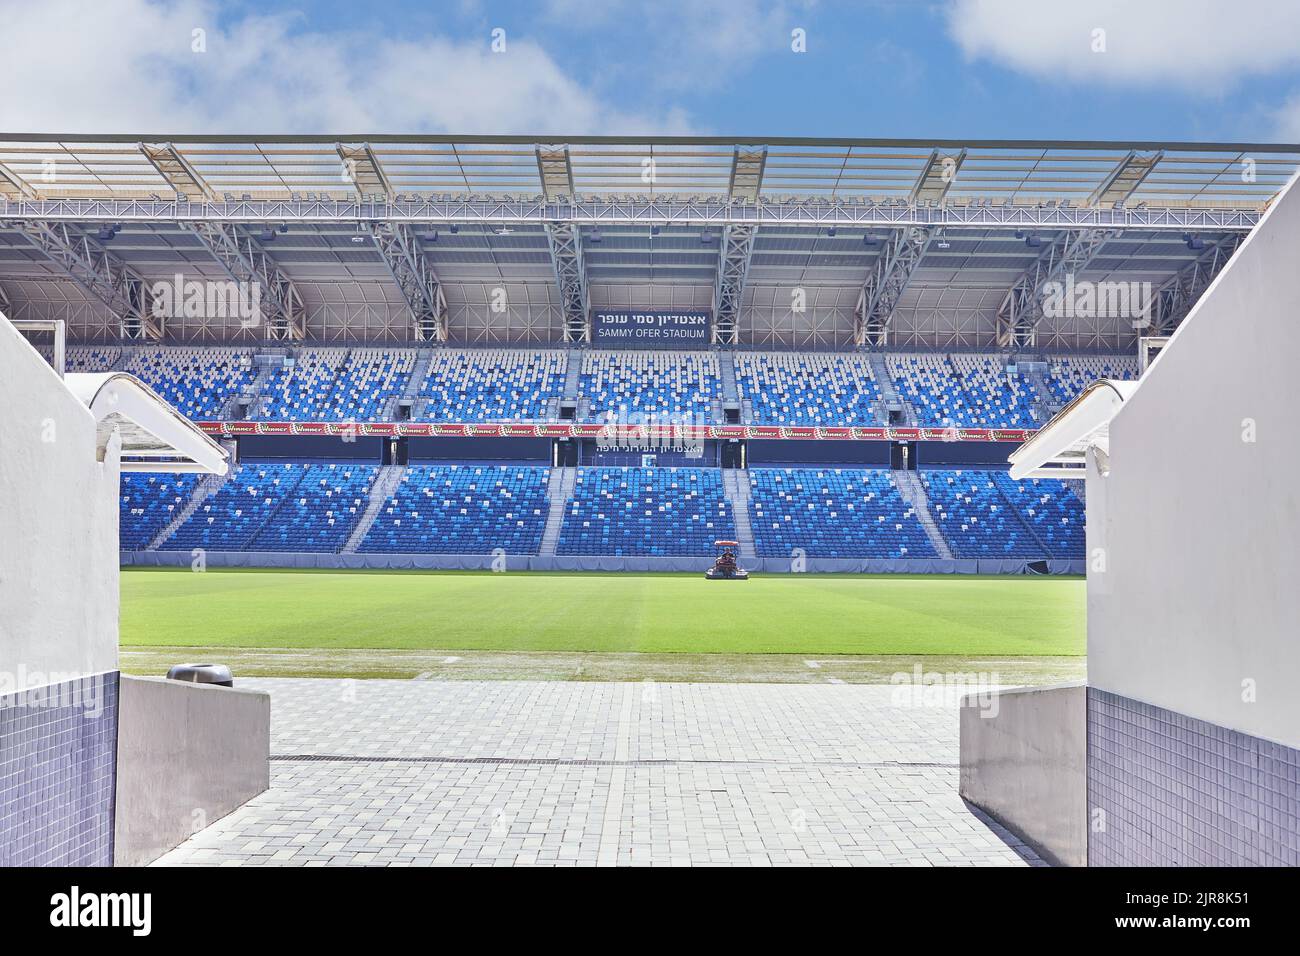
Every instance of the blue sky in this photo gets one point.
(1100, 69)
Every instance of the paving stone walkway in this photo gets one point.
(505, 773)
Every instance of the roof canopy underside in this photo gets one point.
(348, 290)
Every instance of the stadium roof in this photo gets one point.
(1014, 171)
(912, 243)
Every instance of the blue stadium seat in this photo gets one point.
(646, 511)
(230, 519)
(1052, 511)
(833, 513)
(645, 386)
(322, 510)
(148, 502)
(998, 398)
(198, 381)
(491, 385)
(1071, 374)
(807, 388)
(336, 385)
(91, 358)
(975, 518)
(463, 509)
(962, 391)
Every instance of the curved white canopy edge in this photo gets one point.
(154, 436)
(1059, 449)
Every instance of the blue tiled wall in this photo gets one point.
(58, 760)
(1177, 791)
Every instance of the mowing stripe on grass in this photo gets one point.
(810, 615)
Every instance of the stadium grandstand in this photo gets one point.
(607, 353)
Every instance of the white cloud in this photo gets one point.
(1201, 45)
(128, 66)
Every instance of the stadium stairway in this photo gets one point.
(124, 357)
(207, 487)
(246, 397)
(735, 483)
(411, 393)
(913, 492)
(727, 375)
(266, 363)
(385, 485)
(559, 489)
(572, 375)
(888, 393)
(1045, 404)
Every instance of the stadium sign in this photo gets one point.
(631, 328)
(615, 434)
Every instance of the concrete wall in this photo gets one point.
(1024, 763)
(1197, 609)
(58, 528)
(188, 754)
(532, 562)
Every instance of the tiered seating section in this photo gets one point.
(824, 511)
(476, 509)
(148, 502)
(984, 514)
(1071, 374)
(91, 358)
(833, 513)
(300, 391)
(1054, 513)
(807, 389)
(642, 386)
(337, 385)
(962, 391)
(463, 509)
(998, 399)
(197, 381)
(490, 385)
(321, 510)
(974, 519)
(229, 520)
(646, 511)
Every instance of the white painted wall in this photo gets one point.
(58, 528)
(1202, 529)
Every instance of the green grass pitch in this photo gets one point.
(649, 613)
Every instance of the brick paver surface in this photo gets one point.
(504, 773)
